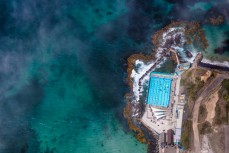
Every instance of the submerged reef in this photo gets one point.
(195, 35)
(216, 21)
(137, 130)
(193, 32)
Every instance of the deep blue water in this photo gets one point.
(62, 69)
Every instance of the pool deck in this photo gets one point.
(172, 115)
(154, 124)
(160, 118)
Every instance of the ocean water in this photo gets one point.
(63, 69)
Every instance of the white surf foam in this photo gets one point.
(137, 73)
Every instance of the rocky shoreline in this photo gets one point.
(142, 133)
(163, 40)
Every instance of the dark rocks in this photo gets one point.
(178, 39)
(169, 43)
(212, 66)
(188, 54)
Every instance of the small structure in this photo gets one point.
(178, 125)
(182, 67)
(182, 98)
(162, 139)
(170, 137)
(181, 102)
(177, 137)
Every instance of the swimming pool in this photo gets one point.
(159, 91)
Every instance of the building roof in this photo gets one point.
(169, 136)
(179, 119)
(177, 135)
(162, 137)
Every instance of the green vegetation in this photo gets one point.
(227, 111)
(217, 119)
(182, 82)
(186, 133)
(226, 97)
(213, 75)
(205, 127)
(167, 67)
(220, 118)
(202, 110)
(202, 113)
(189, 74)
(191, 91)
(226, 84)
(222, 107)
(193, 88)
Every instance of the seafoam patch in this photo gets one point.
(141, 69)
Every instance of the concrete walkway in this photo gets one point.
(172, 50)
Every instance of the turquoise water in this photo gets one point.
(71, 118)
(63, 69)
(201, 5)
(215, 37)
(160, 88)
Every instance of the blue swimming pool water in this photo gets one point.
(159, 91)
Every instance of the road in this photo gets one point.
(215, 84)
